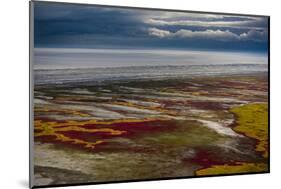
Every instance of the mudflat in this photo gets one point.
(148, 129)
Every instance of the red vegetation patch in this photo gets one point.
(87, 136)
(207, 105)
(36, 130)
(46, 138)
(206, 159)
(137, 128)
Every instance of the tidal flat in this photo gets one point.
(150, 129)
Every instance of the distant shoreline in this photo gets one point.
(137, 80)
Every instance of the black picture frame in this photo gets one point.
(31, 79)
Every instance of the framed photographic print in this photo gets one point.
(121, 94)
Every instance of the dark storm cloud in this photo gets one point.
(68, 25)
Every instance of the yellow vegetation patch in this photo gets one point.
(233, 169)
(253, 122)
(53, 128)
(64, 111)
(40, 123)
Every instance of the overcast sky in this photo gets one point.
(80, 26)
